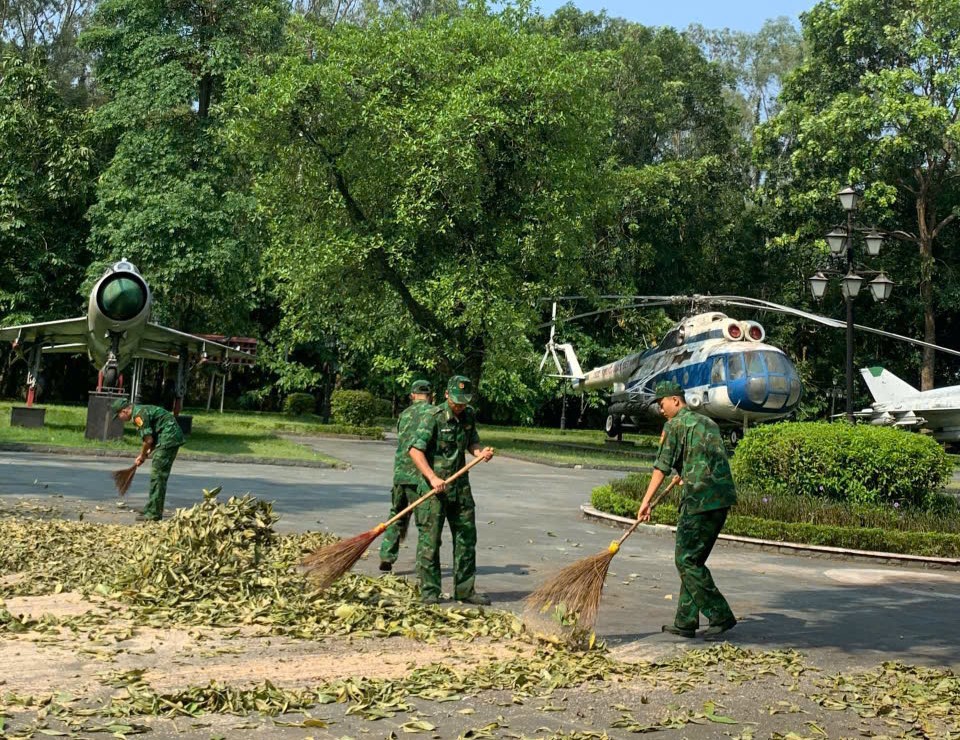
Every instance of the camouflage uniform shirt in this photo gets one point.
(444, 438)
(691, 445)
(157, 422)
(404, 471)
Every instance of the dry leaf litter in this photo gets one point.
(221, 564)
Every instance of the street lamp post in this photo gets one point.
(841, 241)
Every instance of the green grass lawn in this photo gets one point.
(255, 435)
(571, 446)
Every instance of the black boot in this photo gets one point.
(678, 631)
(715, 630)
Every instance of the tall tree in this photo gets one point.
(755, 64)
(875, 103)
(425, 184)
(45, 188)
(48, 29)
(171, 198)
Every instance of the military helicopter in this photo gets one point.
(726, 370)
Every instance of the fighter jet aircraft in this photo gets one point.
(115, 332)
(899, 404)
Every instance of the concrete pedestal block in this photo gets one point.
(27, 416)
(186, 424)
(100, 422)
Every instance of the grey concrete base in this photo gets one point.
(793, 548)
(100, 422)
(27, 416)
(186, 424)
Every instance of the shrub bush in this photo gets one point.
(875, 539)
(357, 408)
(249, 401)
(632, 485)
(299, 404)
(857, 463)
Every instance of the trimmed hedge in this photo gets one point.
(357, 408)
(930, 544)
(299, 404)
(858, 463)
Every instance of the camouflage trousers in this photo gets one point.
(403, 494)
(161, 463)
(455, 506)
(696, 535)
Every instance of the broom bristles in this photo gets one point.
(577, 588)
(123, 478)
(326, 564)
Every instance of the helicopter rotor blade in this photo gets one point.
(826, 321)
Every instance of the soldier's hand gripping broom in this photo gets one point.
(578, 587)
(326, 564)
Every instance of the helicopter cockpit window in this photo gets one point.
(716, 372)
(775, 363)
(755, 364)
(735, 366)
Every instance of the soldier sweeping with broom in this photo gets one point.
(161, 436)
(691, 445)
(406, 477)
(445, 433)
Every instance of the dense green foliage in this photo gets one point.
(299, 403)
(388, 191)
(357, 408)
(860, 464)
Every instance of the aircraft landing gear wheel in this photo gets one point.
(613, 426)
(110, 377)
(734, 437)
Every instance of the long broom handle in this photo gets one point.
(614, 546)
(431, 492)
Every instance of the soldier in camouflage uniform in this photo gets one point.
(444, 434)
(691, 445)
(406, 477)
(162, 436)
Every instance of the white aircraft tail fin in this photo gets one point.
(885, 387)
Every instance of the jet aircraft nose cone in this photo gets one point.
(122, 298)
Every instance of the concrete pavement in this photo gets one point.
(841, 614)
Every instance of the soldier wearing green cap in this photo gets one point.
(691, 444)
(161, 436)
(406, 478)
(443, 436)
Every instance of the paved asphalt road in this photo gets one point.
(842, 614)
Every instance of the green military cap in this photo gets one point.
(666, 389)
(460, 389)
(421, 386)
(119, 405)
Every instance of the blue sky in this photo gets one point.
(740, 15)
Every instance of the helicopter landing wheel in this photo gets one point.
(614, 425)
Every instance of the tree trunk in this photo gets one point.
(206, 93)
(926, 295)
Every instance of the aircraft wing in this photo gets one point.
(163, 343)
(51, 334)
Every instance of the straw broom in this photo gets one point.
(579, 586)
(123, 478)
(326, 564)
